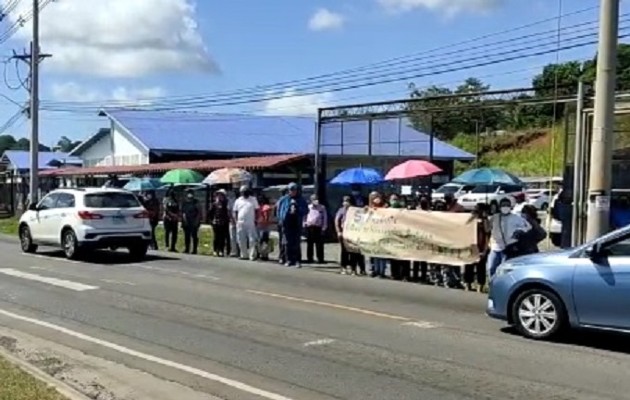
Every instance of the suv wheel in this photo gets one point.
(539, 314)
(138, 252)
(26, 240)
(70, 245)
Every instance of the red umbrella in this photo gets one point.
(412, 169)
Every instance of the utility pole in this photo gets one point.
(602, 142)
(33, 59)
(477, 145)
(578, 169)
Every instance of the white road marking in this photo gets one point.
(147, 357)
(79, 287)
(115, 282)
(175, 272)
(61, 259)
(319, 342)
(421, 324)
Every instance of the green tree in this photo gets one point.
(7, 142)
(66, 144)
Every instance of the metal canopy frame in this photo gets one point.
(405, 107)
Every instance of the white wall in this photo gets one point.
(114, 149)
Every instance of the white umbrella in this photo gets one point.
(228, 176)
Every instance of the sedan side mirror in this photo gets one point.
(593, 251)
(33, 207)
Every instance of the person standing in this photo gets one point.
(401, 269)
(220, 218)
(292, 228)
(191, 221)
(232, 237)
(347, 260)
(530, 239)
(379, 265)
(316, 225)
(171, 220)
(478, 270)
(506, 227)
(284, 202)
(152, 205)
(264, 228)
(245, 210)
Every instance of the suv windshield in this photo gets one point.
(448, 189)
(111, 200)
(485, 189)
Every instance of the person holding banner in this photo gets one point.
(478, 270)
(348, 260)
(506, 229)
(379, 265)
(401, 269)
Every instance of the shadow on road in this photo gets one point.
(107, 257)
(607, 341)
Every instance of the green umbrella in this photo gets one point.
(181, 177)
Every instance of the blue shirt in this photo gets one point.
(283, 206)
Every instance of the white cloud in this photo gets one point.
(448, 7)
(120, 38)
(120, 96)
(291, 103)
(324, 19)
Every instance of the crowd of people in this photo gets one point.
(242, 226)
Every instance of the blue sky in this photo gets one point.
(107, 53)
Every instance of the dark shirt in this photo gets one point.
(153, 208)
(171, 209)
(190, 212)
(292, 222)
(219, 213)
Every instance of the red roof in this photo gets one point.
(247, 163)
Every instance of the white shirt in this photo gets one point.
(245, 210)
(503, 228)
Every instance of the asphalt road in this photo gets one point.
(241, 330)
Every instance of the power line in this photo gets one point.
(479, 61)
(382, 66)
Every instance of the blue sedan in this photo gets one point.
(586, 287)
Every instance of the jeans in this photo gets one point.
(247, 240)
(154, 244)
(191, 234)
(495, 258)
(221, 242)
(379, 266)
(282, 253)
(170, 234)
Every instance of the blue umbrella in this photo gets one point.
(490, 176)
(143, 184)
(358, 176)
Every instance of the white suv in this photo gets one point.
(492, 196)
(81, 219)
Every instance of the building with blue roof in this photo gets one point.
(19, 161)
(136, 137)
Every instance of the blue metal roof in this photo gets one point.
(220, 133)
(20, 159)
(237, 133)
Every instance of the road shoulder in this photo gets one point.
(79, 376)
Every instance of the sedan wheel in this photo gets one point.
(539, 314)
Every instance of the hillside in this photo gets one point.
(526, 153)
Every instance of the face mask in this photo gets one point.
(505, 210)
(190, 196)
(315, 202)
(377, 201)
(394, 203)
(346, 204)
